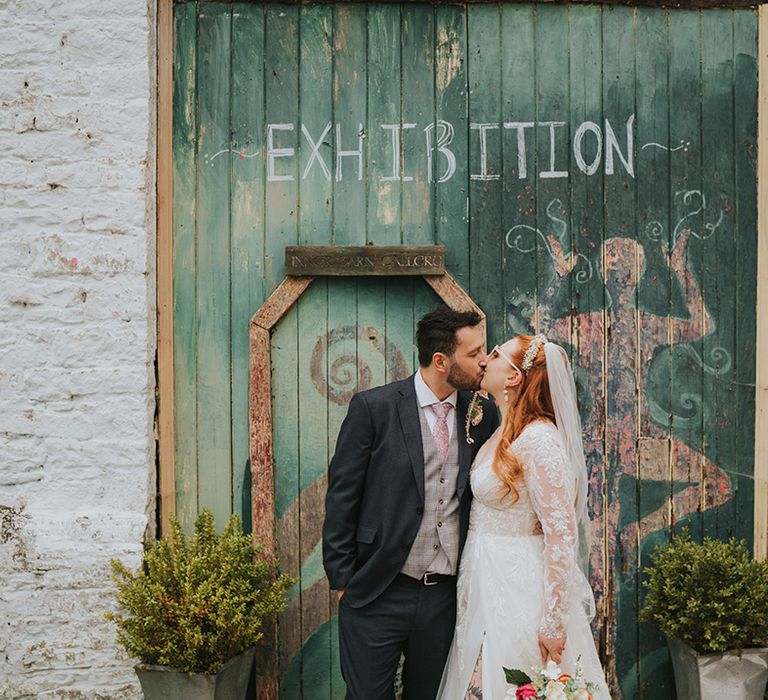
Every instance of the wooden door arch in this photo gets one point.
(261, 442)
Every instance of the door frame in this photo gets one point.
(761, 370)
(260, 428)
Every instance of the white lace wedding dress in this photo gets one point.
(514, 585)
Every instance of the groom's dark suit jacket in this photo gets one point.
(375, 497)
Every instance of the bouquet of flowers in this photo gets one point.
(549, 683)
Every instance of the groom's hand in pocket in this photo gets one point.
(551, 648)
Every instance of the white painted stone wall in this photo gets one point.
(77, 335)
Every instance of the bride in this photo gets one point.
(524, 599)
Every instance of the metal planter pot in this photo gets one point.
(719, 676)
(230, 683)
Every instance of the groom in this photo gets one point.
(397, 511)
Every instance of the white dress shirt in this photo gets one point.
(426, 397)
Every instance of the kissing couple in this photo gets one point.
(457, 534)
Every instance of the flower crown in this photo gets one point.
(532, 351)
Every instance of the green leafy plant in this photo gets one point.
(197, 602)
(710, 595)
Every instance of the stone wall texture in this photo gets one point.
(77, 335)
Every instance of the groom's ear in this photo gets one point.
(440, 361)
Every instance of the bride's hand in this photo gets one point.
(551, 647)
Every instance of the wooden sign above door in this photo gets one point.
(301, 261)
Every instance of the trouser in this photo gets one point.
(409, 617)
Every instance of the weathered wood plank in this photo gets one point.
(418, 107)
(454, 295)
(751, 144)
(247, 164)
(214, 407)
(585, 282)
(717, 274)
(315, 228)
(485, 163)
(399, 328)
(262, 488)
(184, 256)
(282, 299)
(451, 108)
(315, 115)
(354, 261)
(285, 421)
(261, 442)
(654, 667)
(372, 328)
(520, 171)
(312, 431)
(338, 361)
(349, 109)
(654, 232)
(688, 318)
(384, 126)
(342, 378)
(620, 270)
(281, 70)
(551, 136)
(311, 568)
(654, 305)
(165, 415)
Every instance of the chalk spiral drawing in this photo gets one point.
(687, 197)
(655, 229)
(719, 355)
(560, 227)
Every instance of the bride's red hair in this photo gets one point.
(532, 401)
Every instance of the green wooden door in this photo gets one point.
(340, 337)
(591, 171)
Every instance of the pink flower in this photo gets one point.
(526, 691)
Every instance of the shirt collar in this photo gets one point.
(426, 396)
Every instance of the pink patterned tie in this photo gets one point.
(440, 431)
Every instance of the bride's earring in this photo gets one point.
(506, 395)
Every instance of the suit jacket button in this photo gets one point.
(419, 511)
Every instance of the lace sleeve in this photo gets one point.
(553, 503)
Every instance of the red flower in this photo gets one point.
(524, 692)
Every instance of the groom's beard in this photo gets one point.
(459, 379)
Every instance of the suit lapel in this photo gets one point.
(408, 411)
(465, 449)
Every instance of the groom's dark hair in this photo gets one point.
(436, 332)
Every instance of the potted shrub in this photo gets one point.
(194, 610)
(711, 602)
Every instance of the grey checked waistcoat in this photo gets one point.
(436, 547)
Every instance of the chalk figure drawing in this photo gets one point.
(615, 269)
